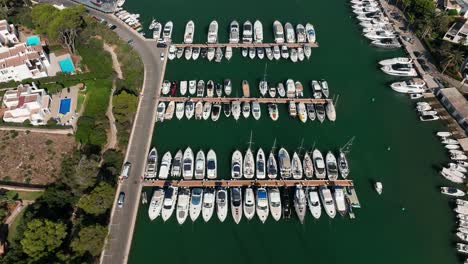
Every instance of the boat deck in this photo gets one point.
(353, 199)
(244, 45)
(245, 99)
(242, 183)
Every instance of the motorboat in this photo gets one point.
(236, 165)
(216, 112)
(167, 31)
(195, 53)
(261, 164)
(221, 204)
(293, 55)
(228, 53)
(169, 202)
(213, 32)
(320, 111)
(462, 248)
(199, 110)
(179, 52)
(429, 117)
(244, 52)
(227, 86)
(187, 164)
(311, 111)
(310, 30)
(166, 87)
(300, 53)
(151, 164)
(389, 43)
(411, 86)
(262, 204)
(324, 87)
(301, 33)
(284, 163)
(189, 32)
(183, 87)
(459, 158)
(246, 109)
(165, 165)
(307, 51)
(249, 164)
(302, 112)
(263, 87)
(234, 32)
(290, 88)
(284, 52)
(260, 52)
(208, 204)
(256, 110)
(176, 170)
(156, 203)
(449, 141)
(399, 60)
(330, 111)
(400, 70)
(453, 175)
(365, 10)
(258, 32)
(300, 203)
(319, 164)
(451, 191)
(245, 88)
(317, 89)
(227, 109)
(192, 86)
(200, 165)
(299, 89)
(189, 109)
(296, 167)
(196, 201)
(272, 91)
(278, 32)
(218, 89)
(276, 52)
(247, 32)
(331, 164)
(444, 134)
(343, 165)
(462, 236)
(457, 167)
(183, 204)
(157, 31)
(280, 89)
(206, 110)
(200, 88)
(274, 202)
(249, 203)
(272, 168)
(340, 200)
(169, 114)
(308, 166)
(236, 204)
(218, 54)
(252, 53)
(290, 36)
(286, 203)
(269, 53)
(313, 201)
(379, 34)
(378, 187)
(236, 110)
(211, 53)
(273, 111)
(327, 201)
(211, 165)
(160, 111)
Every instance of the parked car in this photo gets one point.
(130, 42)
(121, 200)
(163, 55)
(126, 170)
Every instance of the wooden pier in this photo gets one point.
(245, 99)
(244, 45)
(242, 183)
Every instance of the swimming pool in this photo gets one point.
(67, 65)
(65, 105)
(33, 41)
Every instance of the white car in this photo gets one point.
(162, 55)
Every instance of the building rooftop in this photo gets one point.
(457, 100)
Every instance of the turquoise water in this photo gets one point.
(66, 65)
(33, 41)
(391, 145)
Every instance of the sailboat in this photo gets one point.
(308, 166)
(343, 164)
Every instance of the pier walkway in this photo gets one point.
(244, 45)
(245, 99)
(246, 182)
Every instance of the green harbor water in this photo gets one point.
(410, 223)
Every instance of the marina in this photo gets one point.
(244, 45)
(245, 183)
(262, 100)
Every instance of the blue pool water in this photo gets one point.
(33, 41)
(67, 65)
(65, 105)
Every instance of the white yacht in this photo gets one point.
(221, 204)
(311, 37)
(410, 86)
(170, 197)
(183, 203)
(296, 167)
(228, 54)
(400, 70)
(332, 169)
(302, 112)
(176, 170)
(276, 52)
(327, 201)
(301, 33)
(290, 88)
(284, 163)
(284, 52)
(293, 55)
(236, 165)
(247, 32)
(380, 34)
(320, 111)
(252, 53)
(314, 202)
(167, 31)
(151, 164)
(378, 187)
(307, 51)
(208, 204)
(400, 60)
(280, 89)
(195, 53)
(211, 165)
(317, 89)
(200, 165)
(324, 87)
(189, 32)
(192, 87)
(169, 114)
(160, 111)
(236, 204)
(269, 53)
(213, 32)
(236, 110)
(278, 32)
(274, 199)
(320, 171)
(258, 32)
(188, 164)
(343, 165)
(451, 191)
(246, 109)
(156, 203)
(308, 166)
(165, 165)
(249, 203)
(157, 31)
(262, 204)
(183, 87)
(272, 91)
(211, 53)
(256, 110)
(196, 201)
(234, 32)
(199, 110)
(188, 53)
(340, 200)
(227, 86)
(300, 203)
(388, 43)
(249, 164)
(290, 36)
(260, 166)
(272, 168)
(263, 87)
(189, 109)
(330, 111)
(206, 110)
(311, 111)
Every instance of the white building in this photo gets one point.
(8, 34)
(458, 33)
(27, 102)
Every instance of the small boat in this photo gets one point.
(192, 86)
(311, 37)
(260, 165)
(195, 53)
(160, 110)
(187, 164)
(249, 203)
(218, 54)
(227, 86)
(216, 112)
(210, 88)
(387, 43)
(314, 202)
(200, 165)
(399, 60)
(320, 111)
(292, 109)
(245, 88)
(206, 110)
(236, 110)
(256, 110)
(343, 165)
(213, 32)
(444, 134)
(236, 165)
(290, 36)
(311, 111)
(189, 32)
(246, 109)
(272, 91)
(308, 166)
(451, 191)
(157, 31)
(176, 170)
(302, 112)
(462, 236)
(236, 204)
(165, 165)
(296, 167)
(196, 201)
(330, 111)
(284, 52)
(278, 32)
(183, 204)
(281, 90)
(167, 31)
(319, 164)
(284, 163)
(325, 90)
(189, 109)
(166, 87)
(331, 164)
(203, 52)
(156, 203)
(400, 70)
(449, 141)
(327, 201)
(234, 32)
(211, 165)
(378, 187)
(208, 204)
(300, 203)
(247, 32)
(262, 204)
(183, 87)
(249, 164)
(172, 52)
(301, 33)
(294, 55)
(244, 52)
(200, 88)
(179, 53)
(273, 111)
(258, 32)
(276, 52)
(274, 199)
(260, 52)
(269, 53)
(263, 87)
(169, 114)
(211, 53)
(458, 167)
(228, 53)
(340, 200)
(299, 89)
(199, 110)
(221, 204)
(462, 248)
(151, 164)
(450, 146)
(429, 117)
(272, 168)
(170, 197)
(307, 51)
(290, 88)
(300, 53)
(286, 202)
(317, 89)
(252, 53)
(227, 109)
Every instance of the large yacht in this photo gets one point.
(247, 32)
(320, 171)
(236, 204)
(290, 35)
(234, 32)
(221, 204)
(300, 203)
(278, 32)
(236, 165)
(262, 204)
(249, 203)
(156, 203)
(400, 70)
(258, 31)
(189, 32)
(183, 203)
(151, 164)
(187, 164)
(213, 32)
(410, 86)
(274, 198)
(170, 197)
(284, 163)
(327, 201)
(314, 202)
(196, 203)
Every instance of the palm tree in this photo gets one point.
(454, 57)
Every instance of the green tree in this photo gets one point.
(453, 58)
(84, 176)
(42, 15)
(42, 237)
(98, 201)
(90, 239)
(124, 105)
(66, 25)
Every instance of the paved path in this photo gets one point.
(57, 131)
(112, 135)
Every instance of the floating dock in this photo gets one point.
(245, 99)
(244, 45)
(243, 183)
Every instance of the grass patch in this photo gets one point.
(29, 195)
(12, 230)
(80, 101)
